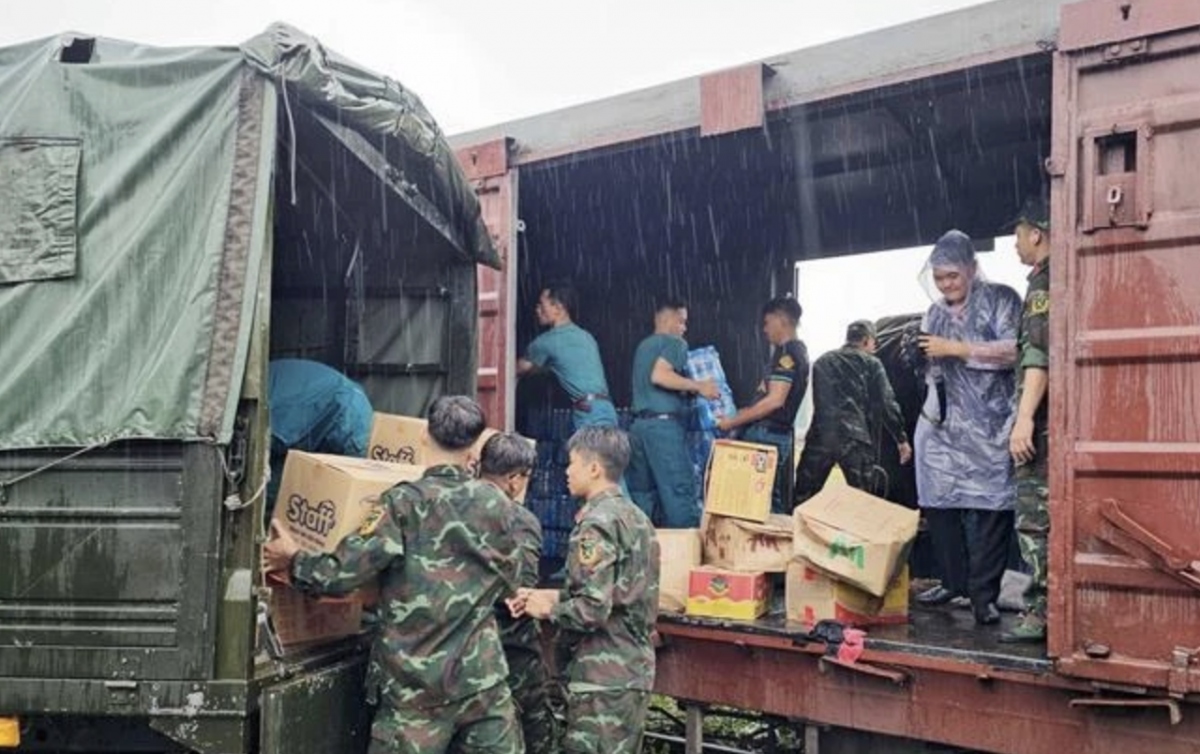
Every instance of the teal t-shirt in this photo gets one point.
(646, 395)
(571, 353)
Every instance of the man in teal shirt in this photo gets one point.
(661, 479)
(571, 354)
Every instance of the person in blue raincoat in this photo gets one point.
(314, 408)
(964, 474)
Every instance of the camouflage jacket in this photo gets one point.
(1034, 339)
(853, 401)
(443, 547)
(522, 634)
(610, 602)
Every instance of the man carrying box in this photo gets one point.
(771, 419)
(609, 604)
(661, 479)
(506, 462)
(443, 546)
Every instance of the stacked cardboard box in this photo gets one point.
(850, 559)
(742, 541)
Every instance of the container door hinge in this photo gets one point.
(1183, 660)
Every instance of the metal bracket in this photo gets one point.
(1182, 659)
(1172, 706)
(1135, 540)
(1133, 48)
(896, 676)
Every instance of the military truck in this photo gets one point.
(171, 220)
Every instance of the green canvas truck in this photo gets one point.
(171, 220)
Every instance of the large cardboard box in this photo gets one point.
(739, 545)
(397, 439)
(323, 499)
(813, 595)
(859, 538)
(679, 553)
(718, 593)
(401, 439)
(740, 478)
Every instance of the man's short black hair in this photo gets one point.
(669, 303)
(785, 305)
(506, 453)
(565, 295)
(456, 422)
(609, 446)
(860, 331)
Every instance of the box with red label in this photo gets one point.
(717, 593)
(741, 545)
(322, 500)
(814, 595)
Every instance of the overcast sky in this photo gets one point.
(480, 62)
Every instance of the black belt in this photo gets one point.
(664, 415)
(585, 403)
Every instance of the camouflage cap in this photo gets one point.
(1033, 212)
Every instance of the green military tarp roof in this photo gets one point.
(135, 196)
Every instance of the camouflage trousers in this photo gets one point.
(605, 722)
(1033, 530)
(528, 680)
(481, 724)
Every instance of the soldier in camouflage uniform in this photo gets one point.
(507, 461)
(442, 547)
(610, 602)
(853, 406)
(1028, 442)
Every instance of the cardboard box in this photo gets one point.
(718, 593)
(859, 538)
(397, 439)
(679, 553)
(813, 595)
(739, 545)
(739, 480)
(400, 439)
(323, 499)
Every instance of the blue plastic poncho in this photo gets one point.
(962, 458)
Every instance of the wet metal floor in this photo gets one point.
(943, 632)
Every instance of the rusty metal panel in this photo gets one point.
(1125, 361)
(1098, 22)
(968, 705)
(732, 100)
(496, 186)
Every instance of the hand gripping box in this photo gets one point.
(322, 500)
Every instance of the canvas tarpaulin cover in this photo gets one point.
(131, 243)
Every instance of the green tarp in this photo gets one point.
(133, 218)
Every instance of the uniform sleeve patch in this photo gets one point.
(589, 550)
(1039, 302)
(371, 522)
(787, 362)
